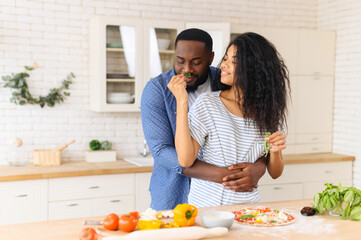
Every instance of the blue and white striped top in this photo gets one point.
(225, 139)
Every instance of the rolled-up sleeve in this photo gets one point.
(157, 128)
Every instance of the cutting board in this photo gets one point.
(184, 233)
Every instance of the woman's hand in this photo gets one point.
(277, 141)
(178, 86)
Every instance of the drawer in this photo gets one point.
(118, 205)
(291, 139)
(71, 209)
(311, 172)
(311, 188)
(313, 148)
(291, 149)
(314, 138)
(91, 187)
(281, 192)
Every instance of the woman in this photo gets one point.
(229, 126)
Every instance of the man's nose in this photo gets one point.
(187, 68)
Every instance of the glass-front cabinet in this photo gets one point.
(116, 47)
(159, 45)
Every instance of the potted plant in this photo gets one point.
(100, 152)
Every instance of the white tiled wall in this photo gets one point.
(54, 33)
(345, 18)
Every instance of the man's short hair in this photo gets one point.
(195, 34)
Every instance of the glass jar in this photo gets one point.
(18, 156)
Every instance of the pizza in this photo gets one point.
(265, 217)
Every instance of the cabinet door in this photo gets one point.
(116, 51)
(281, 192)
(142, 194)
(314, 104)
(23, 201)
(71, 209)
(220, 33)
(118, 204)
(316, 51)
(159, 40)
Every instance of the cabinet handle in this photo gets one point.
(316, 78)
(72, 205)
(22, 195)
(93, 187)
(328, 171)
(113, 201)
(315, 138)
(315, 148)
(277, 188)
(316, 73)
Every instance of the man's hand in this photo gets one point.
(247, 176)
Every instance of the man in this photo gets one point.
(170, 182)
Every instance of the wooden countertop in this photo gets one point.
(321, 227)
(83, 168)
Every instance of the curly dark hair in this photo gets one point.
(262, 82)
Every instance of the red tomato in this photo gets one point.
(88, 234)
(127, 223)
(111, 222)
(134, 214)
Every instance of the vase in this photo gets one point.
(336, 210)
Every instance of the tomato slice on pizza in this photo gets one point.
(263, 217)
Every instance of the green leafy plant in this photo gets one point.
(106, 145)
(187, 75)
(266, 146)
(21, 94)
(94, 145)
(343, 200)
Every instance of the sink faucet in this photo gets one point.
(145, 151)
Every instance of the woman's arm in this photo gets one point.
(187, 148)
(277, 142)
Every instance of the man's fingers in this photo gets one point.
(238, 166)
(234, 176)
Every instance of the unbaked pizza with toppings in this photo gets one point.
(263, 217)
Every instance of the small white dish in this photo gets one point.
(163, 44)
(121, 97)
(211, 219)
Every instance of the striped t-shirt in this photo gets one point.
(225, 139)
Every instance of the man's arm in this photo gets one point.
(242, 177)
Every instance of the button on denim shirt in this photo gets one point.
(168, 187)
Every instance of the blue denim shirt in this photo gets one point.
(168, 187)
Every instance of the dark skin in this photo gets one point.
(193, 57)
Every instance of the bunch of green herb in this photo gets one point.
(187, 75)
(94, 145)
(345, 200)
(266, 146)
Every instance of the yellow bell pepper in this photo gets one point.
(185, 215)
(149, 225)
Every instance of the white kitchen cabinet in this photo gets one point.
(316, 52)
(300, 181)
(23, 201)
(142, 194)
(115, 57)
(91, 195)
(159, 40)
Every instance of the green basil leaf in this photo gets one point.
(247, 216)
(349, 196)
(355, 214)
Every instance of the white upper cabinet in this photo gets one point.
(116, 73)
(220, 33)
(159, 40)
(316, 52)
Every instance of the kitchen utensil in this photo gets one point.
(92, 222)
(184, 233)
(49, 157)
(212, 219)
(163, 44)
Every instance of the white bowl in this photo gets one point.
(163, 44)
(212, 219)
(120, 98)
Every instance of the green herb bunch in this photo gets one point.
(266, 146)
(21, 94)
(187, 75)
(96, 145)
(345, 200)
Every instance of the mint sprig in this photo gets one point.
(187, 75)
(266, 146)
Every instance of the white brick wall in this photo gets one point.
(54, 34)
(345, 18)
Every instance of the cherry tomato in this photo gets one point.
(127, 223)
(88, 234)
(134, 214)
(111, 222)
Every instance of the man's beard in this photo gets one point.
(201, 80)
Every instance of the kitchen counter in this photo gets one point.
(319, 226)
(83, 168)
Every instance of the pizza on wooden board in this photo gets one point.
(263, 217)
